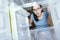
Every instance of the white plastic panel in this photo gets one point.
(1, 21)
(55, 12)
(22, 24)
(27, 1)
(5, 33)
(41, 34)
(37, 0)
(0, 3)
(18, 2)
(58, 9)
(22, 2)
(22, 28)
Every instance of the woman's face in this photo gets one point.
(37, 10)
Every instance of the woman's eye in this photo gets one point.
(38, 8)
(34, 9)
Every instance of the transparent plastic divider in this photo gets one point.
(43, 34)
(24, 33)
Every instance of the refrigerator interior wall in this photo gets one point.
(54, 17)
(58, 9)
(5, 33)
(55, 9)
(22, 28)
(22, 2)
(22, 24)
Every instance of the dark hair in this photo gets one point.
(35, 16)
(41, 7)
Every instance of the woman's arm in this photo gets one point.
(49, 17)
(30, 22)
(50, 21)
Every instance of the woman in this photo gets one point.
(40, 19)
(39, 16)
